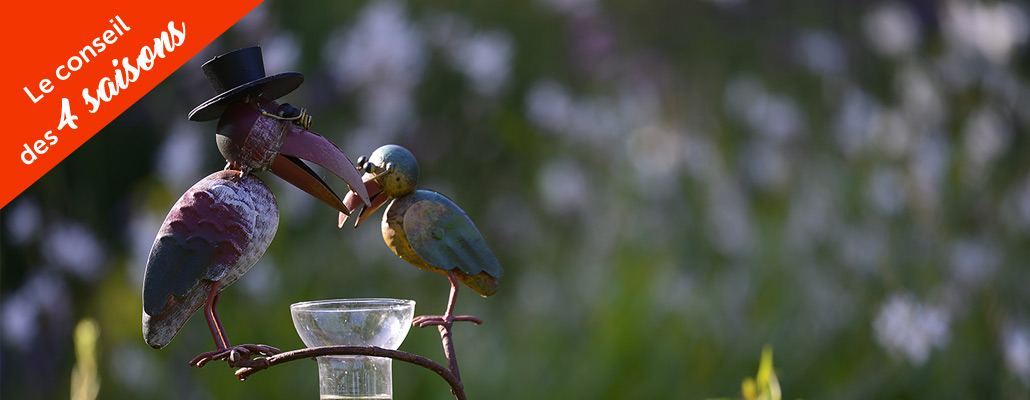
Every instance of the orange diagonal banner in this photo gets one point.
(71, 67)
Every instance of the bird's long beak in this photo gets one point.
(302, 144)
(298, 174)
(376, 201)
(253, 136)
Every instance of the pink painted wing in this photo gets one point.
(216, 231)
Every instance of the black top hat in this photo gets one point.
(237, 74)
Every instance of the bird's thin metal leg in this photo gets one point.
(213, 322)
(448, 317)
(454, 295)
(224, 350)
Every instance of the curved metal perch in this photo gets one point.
(250, 366)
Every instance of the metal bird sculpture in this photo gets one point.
(223, 224)
(425, 228)
(216, 231)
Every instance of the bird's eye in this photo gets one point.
(362, 160)
(369, 167)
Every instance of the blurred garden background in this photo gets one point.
(670, 185)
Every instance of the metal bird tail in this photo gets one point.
(482, 283)
(160, 329)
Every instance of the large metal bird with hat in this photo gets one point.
(223, 224)
(425, 228)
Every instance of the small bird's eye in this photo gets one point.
(369, 167)
(362, 160)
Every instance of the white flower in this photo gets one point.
(180, 157)
(383, 47)
(992, 30)
(382, 57)
(75, 248)
(24, 221)
(1016, 348)
(484, 59)
(892, 29)
(774, 116)
(911, 329)
(821, 52)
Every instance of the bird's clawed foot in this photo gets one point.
(423, 321)
(234, 354)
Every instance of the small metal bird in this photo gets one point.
(222, 225)
(425, 228)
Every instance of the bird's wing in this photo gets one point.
(203, 236)
(445, 237)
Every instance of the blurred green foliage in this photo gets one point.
(670, 186)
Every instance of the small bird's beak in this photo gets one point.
(298, 144)
(377, 200)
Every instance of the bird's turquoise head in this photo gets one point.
(390, 172)
(394, 169)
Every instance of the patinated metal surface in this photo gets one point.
(248, 139)
(253, 135)
(222, 225)
(424, 227)
(213, 234)
(429, 231)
